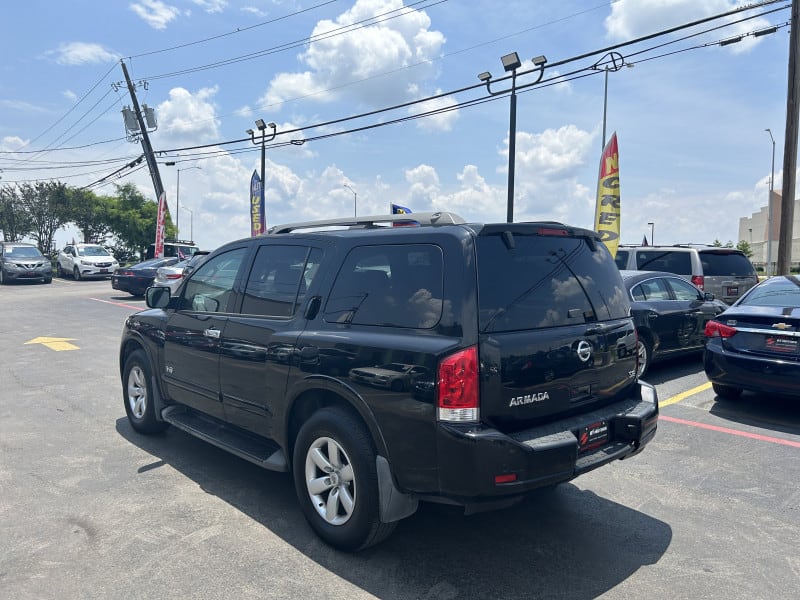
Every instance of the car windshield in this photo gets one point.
(22, 252)
(93, 251)
(775, 292)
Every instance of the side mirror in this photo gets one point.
(157, 297)
(708, 296)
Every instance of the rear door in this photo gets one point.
(727, 273)
(555, 332)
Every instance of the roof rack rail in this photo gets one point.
(421, 218)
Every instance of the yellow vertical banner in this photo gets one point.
(607, 211)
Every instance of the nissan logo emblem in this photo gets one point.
(584, 350)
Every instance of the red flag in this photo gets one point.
(162, 209)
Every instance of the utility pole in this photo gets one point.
(790, 148)
(146, 147)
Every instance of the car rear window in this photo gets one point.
(671, 261)
(725, 264)
(621, 259)
(541, 282)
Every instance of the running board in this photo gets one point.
(265, 453)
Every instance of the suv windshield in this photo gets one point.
(22, 252)
(535, 283)
(725, 263)
(92, 251)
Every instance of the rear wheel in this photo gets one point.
(726, 392)
(644, 352)
(138, 394)
(336, 480)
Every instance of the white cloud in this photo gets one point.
(155, 13)
(70, 95)
(633, 18)
(254, 11)
(81, 53)
(442, 121)
(188, 118)
(212, 6)
(10, 143)
(363, 55)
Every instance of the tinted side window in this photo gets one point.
(391, 285)
(725, 264)
(670, 261)
(209, 288)
(683, 290)
(546, 282)
(652, 289)
(279, 279)
(621, 259)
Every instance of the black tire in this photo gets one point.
(343, 510)
(137, 394)
(48, 280)
(397, 385)
(726, 392)
(76, 273)
(59, 271)
(2, 277)
(644, 349)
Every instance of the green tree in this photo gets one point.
(132, 221)
(45, 204)
(90, 214)
(744, 246)
(14, 219)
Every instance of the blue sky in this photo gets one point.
(694, 156)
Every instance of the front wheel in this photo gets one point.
(336, 480)
(76, 273)
(137, 393)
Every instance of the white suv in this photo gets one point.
(82, 261)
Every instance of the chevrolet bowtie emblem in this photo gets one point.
(781, 326)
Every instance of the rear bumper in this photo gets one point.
(471, 458)
(755, 373)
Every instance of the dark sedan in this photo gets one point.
(755, 344)
(137, 278)
(670, 315)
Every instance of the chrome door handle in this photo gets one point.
(212, 333)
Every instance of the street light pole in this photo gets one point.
(615, 61)
(652, 233)
(769, 205)
(262, 130)
(191, 221)
(178, 195)
(511, 63)
(355, 199)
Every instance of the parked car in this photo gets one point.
(755, 344)
(180, 249)
(725, 272)
(137, 278)
(23, 262)
(670, 315)
(524, 330)
(84, 261)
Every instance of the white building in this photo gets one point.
(753, 230)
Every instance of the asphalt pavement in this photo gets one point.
(91, 509)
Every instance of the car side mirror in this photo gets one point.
(157, 297)
(708, 296)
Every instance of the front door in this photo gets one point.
(193, 334)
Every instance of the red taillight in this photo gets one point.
(458, 386)
(505, 478)
(124, 272)
(552, 231)
(717, 329)
(174, 275)
(698, 280)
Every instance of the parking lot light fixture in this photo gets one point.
(652, 232)
(511, 62)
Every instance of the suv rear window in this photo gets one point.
(726, 263)
(672, 261)
(535, 284)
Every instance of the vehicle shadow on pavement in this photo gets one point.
(766, 411)
(564, 542)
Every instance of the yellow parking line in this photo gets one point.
(683, 395)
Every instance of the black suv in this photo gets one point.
(461, 363)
